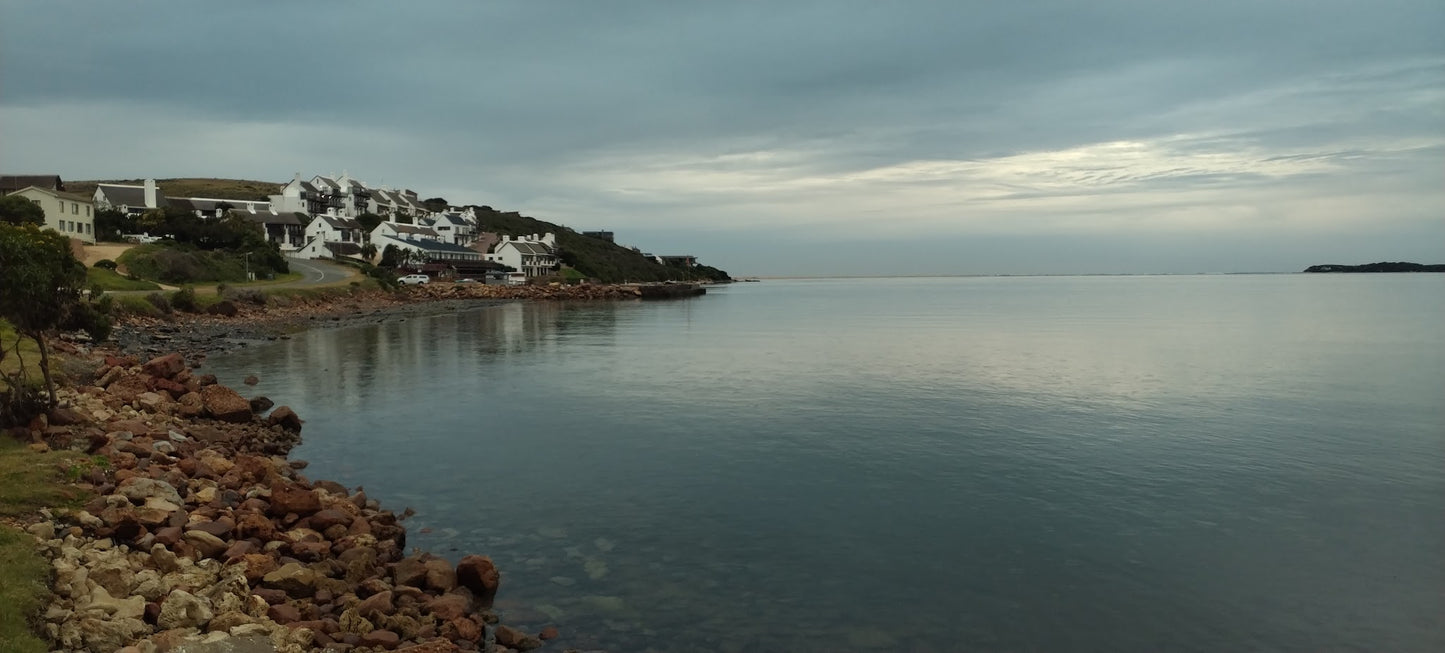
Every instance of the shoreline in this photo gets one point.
(204, 535)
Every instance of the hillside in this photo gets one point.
(231, 189)
(1383, 266)
(595, 258)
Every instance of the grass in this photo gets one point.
(110, 280)
(236, 189)
(29, 481)
(29, 352)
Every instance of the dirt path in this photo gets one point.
(93, 253)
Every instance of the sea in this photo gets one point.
(1094, 463)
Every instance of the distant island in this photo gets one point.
(1383, 266)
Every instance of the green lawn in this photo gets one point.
(29, 481)
(110, 280)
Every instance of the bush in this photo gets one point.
(106, 264)
(93, 319)
(159, 301)
(184, 299)
(245, 295)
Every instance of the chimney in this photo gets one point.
(150, 193)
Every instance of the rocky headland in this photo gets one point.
(203, 536)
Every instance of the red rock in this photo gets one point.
(410, 571)
(165, 366)
(450, 606)
(381, 638)
(550, 632)
(310, 551)
(221, 527)
(434, 646)
(285, 417)
(239, 549)
(175, 390)
(283, 613)
(61, 416)
(478, 574)
(440, 576)
(509, 636)
(290, 498)
(376, 604)
(257, 525)
(462, 629)
(327, 518)
(269, 595)
(168, 535)
(224, 404)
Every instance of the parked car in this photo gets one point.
(412, 279)
(466, 280)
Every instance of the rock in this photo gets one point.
(433, 646)
(110, 376)
(294, 499)
(181, 609)
(285, 417)
(62, 416)
(191, 405)
(283, 613)
(225, 404)
(150, 402)
(329, 517)
(165, 366)
(376, 604)
(139, 488)
(450, 606)
(440, 576)
(131, 607)
(550, 632)
(105, 635)
(409, 571)
(221, 527)
(465, 629)
(251, 379)
(381, 639)
(261, 404)
(206, 544)
(513, 638)
(43, 530)
(293, 578)
(478, 574)
(224, 308)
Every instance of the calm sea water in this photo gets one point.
(1201, 463)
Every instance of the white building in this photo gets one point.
(133, 200)
(70, 214)
(324, 231)
(532, 256)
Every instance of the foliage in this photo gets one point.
(184, 299)
(111, 224)
(40, 282)
(240, 189)
(159, 301)
(98, 277)
(435, 204)
(106, 264)
(1382, 266)
(596, 258)
(369, 221)
(179, 264)
(17, 210)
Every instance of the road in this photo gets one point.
(317, 273)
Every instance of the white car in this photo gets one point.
(413, 279)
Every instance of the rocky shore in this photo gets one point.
(204, 538)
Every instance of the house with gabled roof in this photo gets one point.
(325, 229)
(429, 251)
(300, 196)
(287, 230)
(12, 183)
(532, 256)
(70, 214)
(129, 199)
(405, 231)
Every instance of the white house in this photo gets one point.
(70, 214)
(532, 256)
(133, 200)
(299, 196)
(405, 232)
(454, 228)
(287, 230)
(429, 251)
(325, 229)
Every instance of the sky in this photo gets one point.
(788, 138)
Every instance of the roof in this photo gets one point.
(434, 246)
(412, 229)
(10, 183)
(526, 247)
(343, 249)
(72, 197)
(266, 217)
(129, 195)
(454, 219)
(340, 223)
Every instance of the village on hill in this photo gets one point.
(338, 218)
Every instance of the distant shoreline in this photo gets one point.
(1383, 266)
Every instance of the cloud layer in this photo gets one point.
(1126, 128)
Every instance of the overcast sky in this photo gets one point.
(788, 138)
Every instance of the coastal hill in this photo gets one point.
(230, 189)
(592, 257)
(1383, 266)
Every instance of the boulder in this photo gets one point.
(463, 629)
(296, 580)
(376, 604)
(294, 499)
(225, 404)
(283, 613)
(62, 416)
(513, 638)
(381, 639)
(107, 634)
(224, 308)
(251, 379)
(140, 488)
(286, 418)
(450, 606)
(206, 544)
(181, 609)
(478, 574)
(440, 576)
(409, 571)
(165, 366)
(261, 404)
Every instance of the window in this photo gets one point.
(87, 210)
(74, 208)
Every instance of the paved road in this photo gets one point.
(318, 273)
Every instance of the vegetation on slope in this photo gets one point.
(596, 258)
(99, 277)
(1383, 266)
(231, 189)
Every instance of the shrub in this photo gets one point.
(106, 264)
(245, 295)
(184, 299)
(160, 302)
